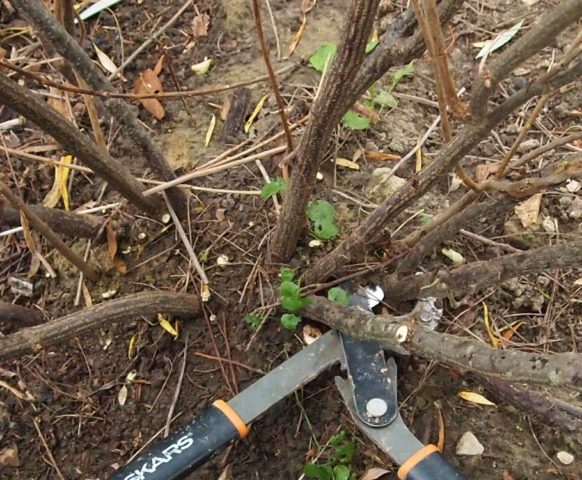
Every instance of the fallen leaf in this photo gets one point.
(380, 156)
(374, 474)
(57, 100)
(225, 107)
(498, 41)
(453, 256)
(9, 457)
(31, 243)
(167, 326)
(528, 211)
(120, 265)
(147, 83)
(59, 189)
(475, 398)
(483, 172)
(492, 338)
(200, 25)
(511, 330)
(202, 67)
(210, 130)
(506, 475)
(104, 60)
(122, 395)
(131, 346)
(3, 53)
(344, 162)
(111, 241)
(441, 440)
(298, 35)
(256, 111)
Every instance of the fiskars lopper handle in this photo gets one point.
(428, 464)
(188, 447)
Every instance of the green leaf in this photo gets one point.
(322, 214)
(252, 320)
(338, 295)
(319, 58)
(318, 472)
(406, 71)
(354, 121)
(274, 187)
(345, 453)
(425, 218)
(371, 46)
(341, 472)
(320, 211)
(290, 321)
(337, 439)
(287, 274)
(385, 99)
(288, 289)
(293, 304)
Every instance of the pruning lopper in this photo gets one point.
(369, 393)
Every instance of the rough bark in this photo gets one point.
(55, 34)
(478, 275)
(29, 105)
(66, 223)
(560, 369)
(326, 112)
(536, 38)
(40, 337)
(449, 230)
(373, 228)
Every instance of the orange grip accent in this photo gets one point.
(229, 413)
(414, 460)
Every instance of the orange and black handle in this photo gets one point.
(428, 464)
(188, 447)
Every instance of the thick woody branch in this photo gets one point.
(479, 275)
(29, 105)
(124, 309)
(538, 37)
(57, 37)
(562, 369)
(372, 230)
(326, 112)
(66, 223)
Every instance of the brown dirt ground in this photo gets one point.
(76, 385)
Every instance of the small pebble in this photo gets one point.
(528, 145)
(565, 458)
(469, 445)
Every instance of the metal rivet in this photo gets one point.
(376, 407)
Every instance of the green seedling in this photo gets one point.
(322, 56)
(321, 213)
(291, 299)
(338, 295)
(273, 188)
(252, 320)
(338, 467)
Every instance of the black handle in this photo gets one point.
(428, 464)
(187, 448)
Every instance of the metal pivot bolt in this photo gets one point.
(376, 407)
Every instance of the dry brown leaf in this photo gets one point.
(483, 172)
(369, 113)
(297, 37)
(111, 242)
(225, 107)
(3, 53)
(475, 398)
(441, 441)
(529, 210)
(507, 475)
(120, 265)
(374, 474)
(148, 82)
(57, 100)
(200, 25)
(380, 156)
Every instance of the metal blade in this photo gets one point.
(395, 440)
(295, 372)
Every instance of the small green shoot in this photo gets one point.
(371, 45)
(406, 71)
(425, 218)
(321, 213)
(338, 465)
(319, 59)
(273, 188)
(338, 295)
(290, 321)
(252, 320)
(287, 274)
(355, 121)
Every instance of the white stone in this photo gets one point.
(469, 445)
(565, 458)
